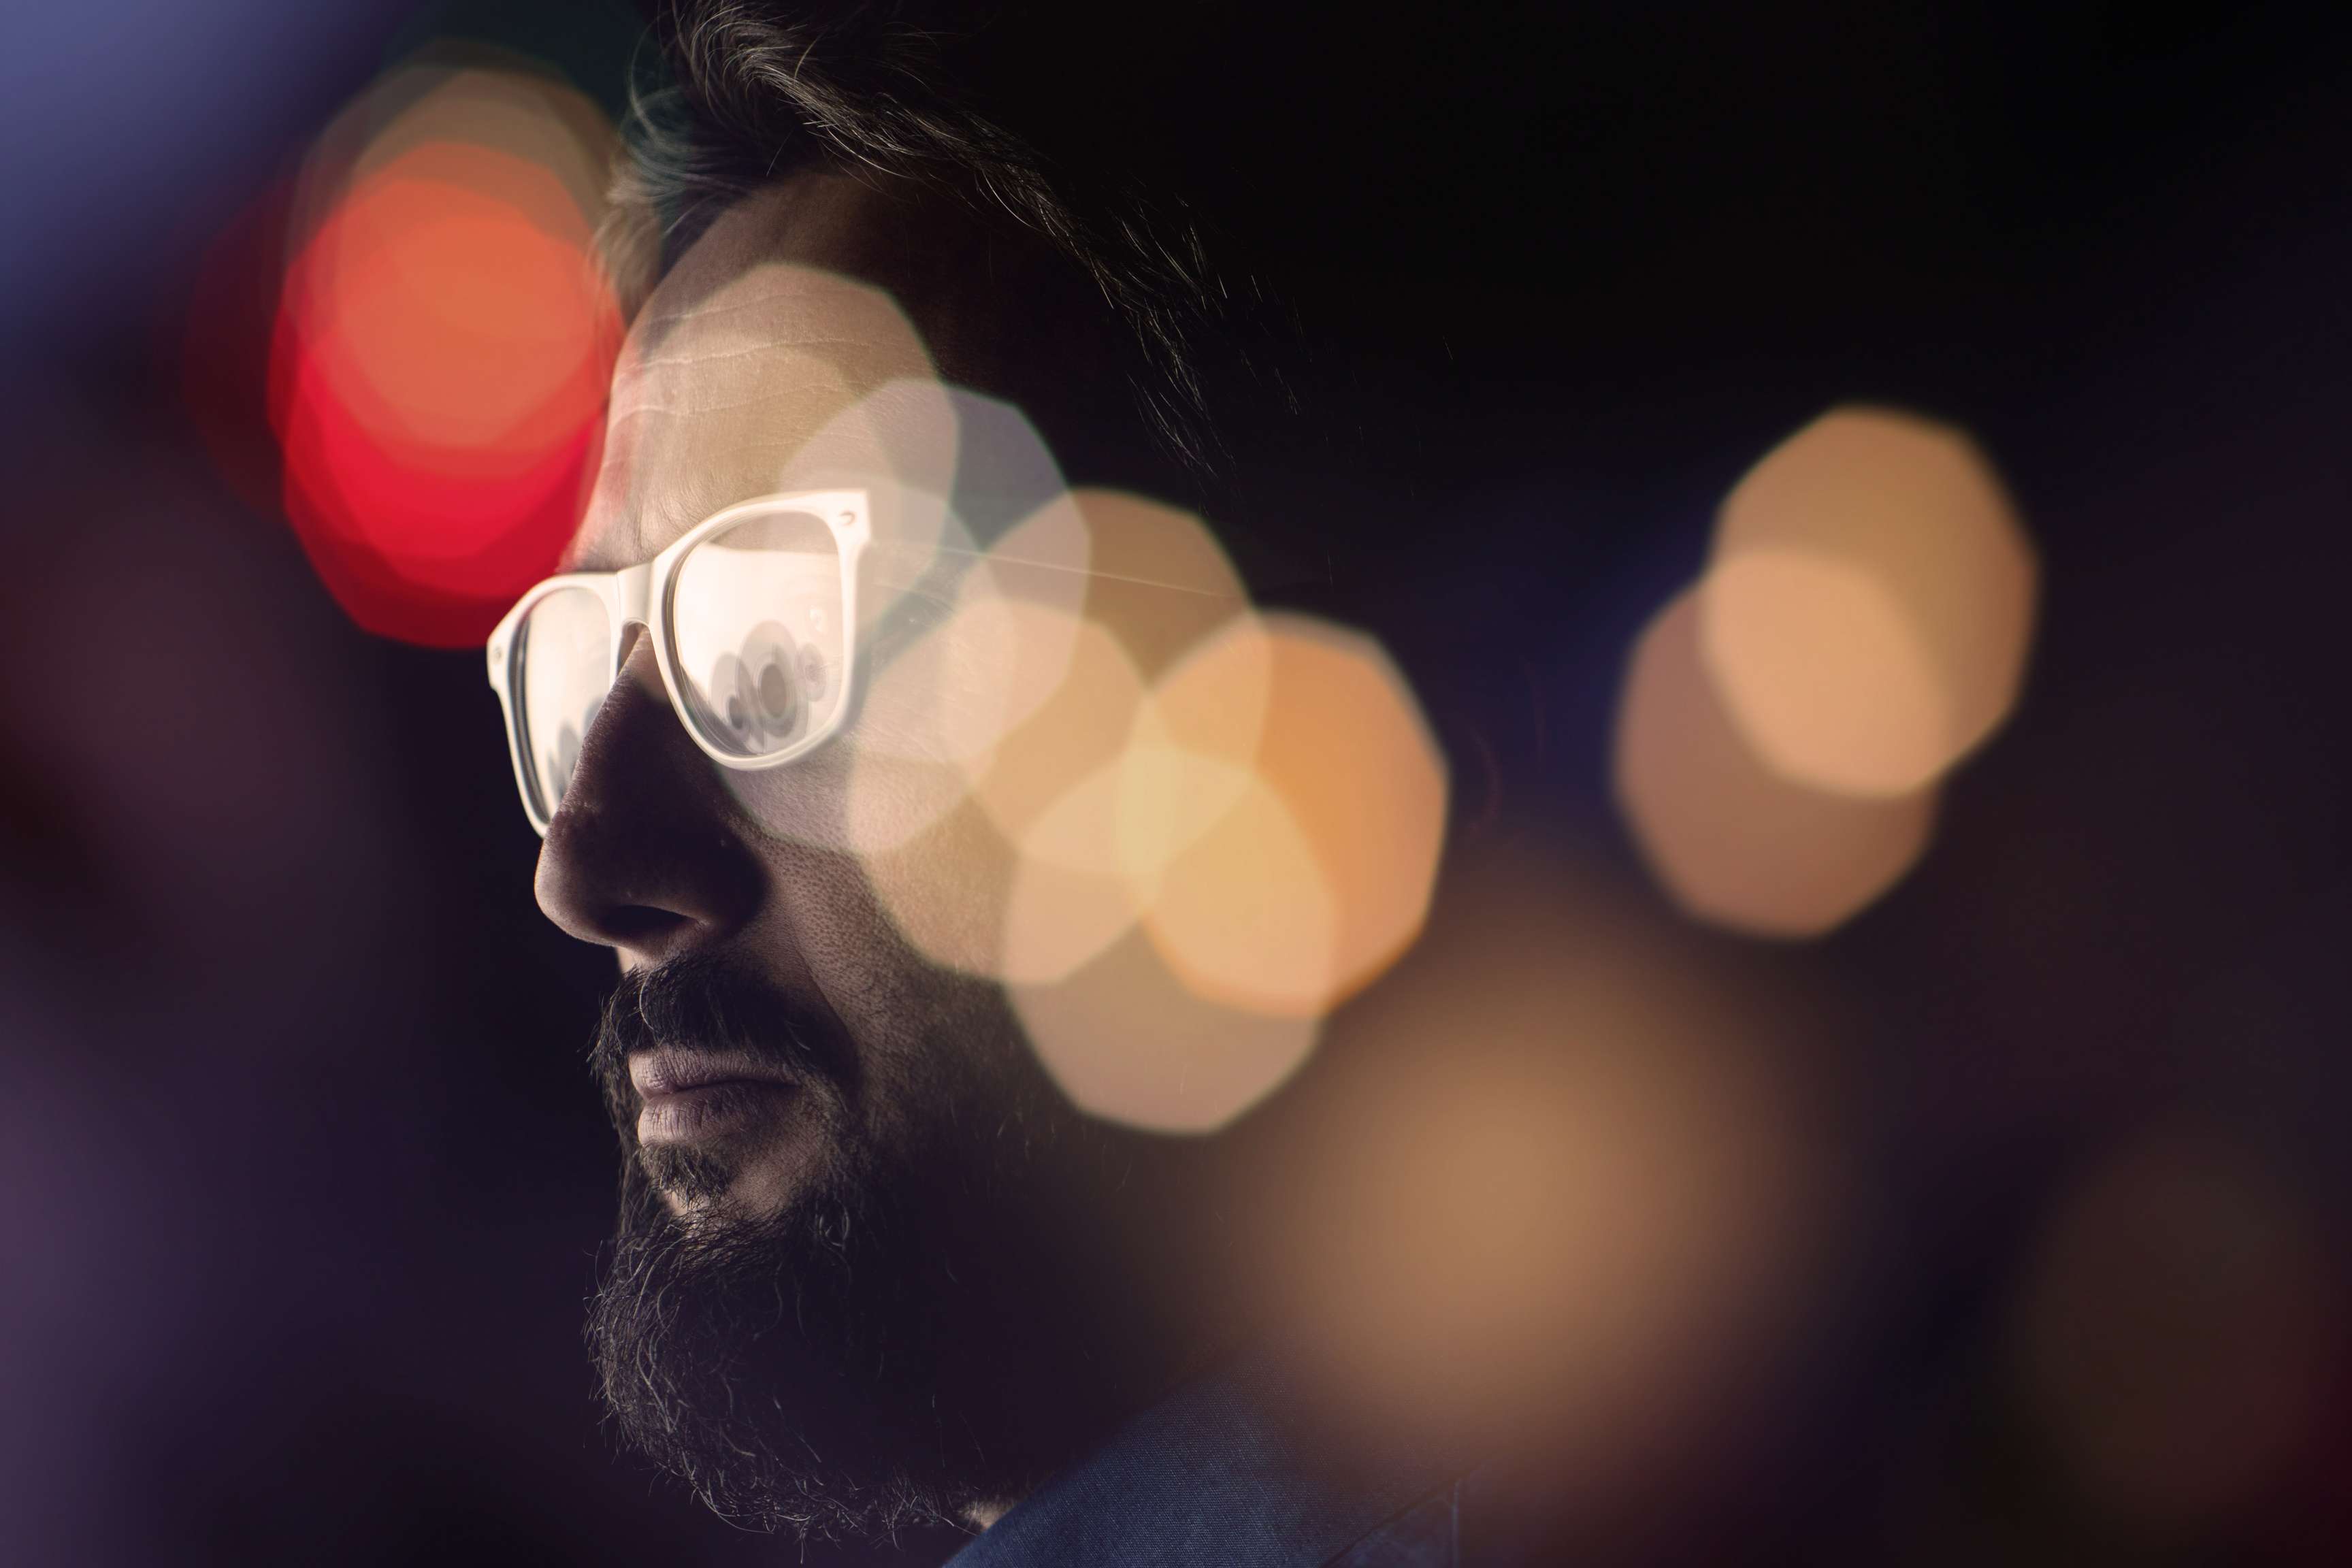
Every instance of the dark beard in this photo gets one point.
(884, 1354)
(770, 1367)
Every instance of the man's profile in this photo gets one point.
(822, 748)
(873, 1268)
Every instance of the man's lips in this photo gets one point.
(689, 1097)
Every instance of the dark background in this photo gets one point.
(302, 1176)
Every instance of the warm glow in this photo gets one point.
(1318, 871)
(1557, 1173)
(1066, 730)
(1731, 841)
(1129, 1042)
(1868, 609)
(1247, 914)
(1069, 898)
(447, 316)
(1157, 578)
(2176, 1329)
(1099, 778)
(442, 349)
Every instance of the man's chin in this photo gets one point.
(750, 1178)
(693, 1310)
(688, 1179)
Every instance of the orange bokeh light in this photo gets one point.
(1603, 1190)
(1181, 832)
(1129, 1041)
(444, 313)
(1867, 608)
(1863, 625)
(1316, 873)
(1730, 841)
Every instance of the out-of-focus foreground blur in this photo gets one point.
(1850, 499)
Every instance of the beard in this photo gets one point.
(899, 1342)
(769, 1366)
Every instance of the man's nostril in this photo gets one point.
(640, 926)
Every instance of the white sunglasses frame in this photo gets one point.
(640, 595)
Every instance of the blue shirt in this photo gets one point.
(1212, 1477)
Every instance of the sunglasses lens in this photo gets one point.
(564, 650)
(756, 635)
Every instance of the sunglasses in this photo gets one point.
(752, 615)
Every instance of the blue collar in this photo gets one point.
(1216, 1476)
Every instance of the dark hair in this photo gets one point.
(753, 91)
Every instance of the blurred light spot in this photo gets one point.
(947, 885)
(1246, 913)
(2176, 1329)
(1317, 873)
(900, 443)
(1868, 606)
(1158, 578)
(1270, 812)
(1045, 818)
(1066, 730)
(437, 311)
(441, 347)
(1070, 898)
(1732, 842)
(1594, 1193)
(748, 381)
(941, 714)
(1045, 792)
(1128, 1041)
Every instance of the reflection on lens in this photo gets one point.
(772, 683)
(755, 628)
(730, 701)
(810, 672)
(565, 652)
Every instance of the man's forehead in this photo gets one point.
(755, 342)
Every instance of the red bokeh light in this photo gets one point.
(438, 370)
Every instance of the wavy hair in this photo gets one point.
(753, 91)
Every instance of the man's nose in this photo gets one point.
(644, 853)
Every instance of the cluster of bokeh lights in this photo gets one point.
(1178, 829)
(1862, 626)
(443, 347)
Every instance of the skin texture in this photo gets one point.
(746, 351)
(946, 1281)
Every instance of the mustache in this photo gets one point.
(710, 1002)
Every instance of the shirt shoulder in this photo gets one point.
(1472, 1522)
(1426, 1535)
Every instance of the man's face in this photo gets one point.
(849, 1183)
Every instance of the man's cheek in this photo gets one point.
(847, 798)
(907, 839)
(947, 888)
